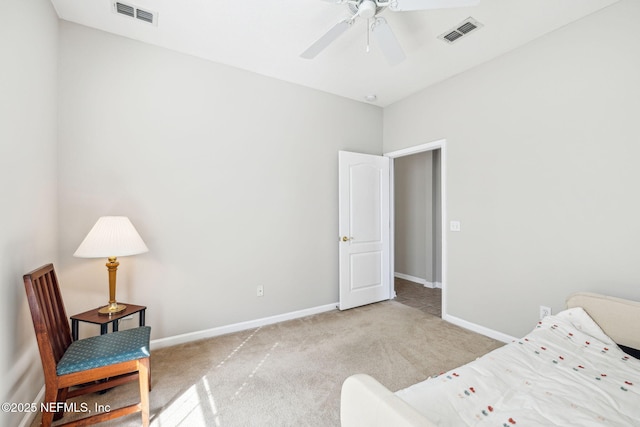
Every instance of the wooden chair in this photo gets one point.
(73, 368)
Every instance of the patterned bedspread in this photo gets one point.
(566, 372)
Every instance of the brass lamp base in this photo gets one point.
(112, 308)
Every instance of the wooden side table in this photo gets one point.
(92, 316)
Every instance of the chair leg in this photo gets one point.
(144, 375)
(50, 396)
(62, 397)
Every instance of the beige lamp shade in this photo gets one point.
(111, 236)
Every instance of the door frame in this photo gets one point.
(440, 144)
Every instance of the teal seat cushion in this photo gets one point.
(103, 350)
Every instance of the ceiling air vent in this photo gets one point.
(461, 30)
(125, 9)
(133, 11)
(144, 15)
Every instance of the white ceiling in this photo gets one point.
(267, 37)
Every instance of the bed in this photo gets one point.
(571, 370)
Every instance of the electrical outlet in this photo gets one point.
(260, 291)
(544, 311)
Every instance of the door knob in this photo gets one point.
(346, 239)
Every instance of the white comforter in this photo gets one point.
(566, 372)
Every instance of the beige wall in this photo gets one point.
(28, 49)
(230, 178)
(542, 170)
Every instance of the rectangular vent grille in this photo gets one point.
(467, 27)
(125, 9)
(453, 36)
(461, 30)
(135, 12)
(144, 15)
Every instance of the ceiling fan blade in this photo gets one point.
(402, 5)
(324, 41)
(387, 41)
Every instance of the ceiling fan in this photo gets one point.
(377, 25)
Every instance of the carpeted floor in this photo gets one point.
(417, 296)
(290, 373)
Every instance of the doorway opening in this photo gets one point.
(417, 219)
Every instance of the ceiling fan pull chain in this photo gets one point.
(368, 33)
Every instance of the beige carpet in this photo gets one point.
(417, 296)
(290, 374)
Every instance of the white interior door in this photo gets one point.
(364, 229)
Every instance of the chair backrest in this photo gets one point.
(49, 316)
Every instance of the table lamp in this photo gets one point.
(111, 237)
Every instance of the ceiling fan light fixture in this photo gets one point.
(367, 9)
(381, 30)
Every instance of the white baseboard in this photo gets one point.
(236, 327)
(193, 336)
(29, 416)
(479, 329)
(419, 280)
(221, 330)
